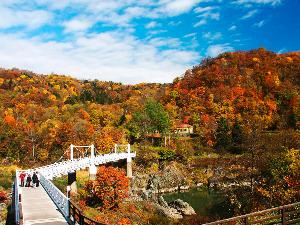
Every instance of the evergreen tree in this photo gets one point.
(223, 135)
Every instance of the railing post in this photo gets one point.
(71, 153)
(282, 216)
(246, 220)
(81, 219)
(74, 216)
(69, 209)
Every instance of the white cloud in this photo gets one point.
(215, 50)
(205, 14)
(232, 28)
(169, 42)
(259, 24)
(200, 23)
(115, 56)
(250, 14)
(247, 2)
(29, 19)
(173, 23)
(113, 12)
(190, 35)
(203, 9)
(282, 51)
(212, 36)
(77, 24)
(176, 7)
(151, 24)
(155, 32)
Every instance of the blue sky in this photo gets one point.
(139, 41)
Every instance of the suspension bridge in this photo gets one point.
(46, 204)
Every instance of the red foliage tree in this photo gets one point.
(109, 188)
(3, 196)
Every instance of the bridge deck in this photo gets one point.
(38, 208)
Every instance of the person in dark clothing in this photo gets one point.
(28, 180)
(35, 180)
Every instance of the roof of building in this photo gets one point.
(184, 125)
(153, 135)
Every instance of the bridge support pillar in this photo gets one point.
(129, 168)
(93, 168)
(72, 182)
(93, 172)
(129, 163)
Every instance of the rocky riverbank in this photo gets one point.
(170, 179)
(175, 209)
(175, 177)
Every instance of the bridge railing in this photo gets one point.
(76, 216)
(62, 168)
(60, 200)
(17, 196)
(16, 200)
(287, 214)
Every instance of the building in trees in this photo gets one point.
(184, 129)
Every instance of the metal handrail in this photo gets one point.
(16, 201)
(78, 217)
(17, 196)
(60, 200)
(281, 211)
(62, 168)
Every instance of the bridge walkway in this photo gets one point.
(38, 208)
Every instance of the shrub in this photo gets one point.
(3, 196)
(124, 221)
(109, 188)
(166, 154)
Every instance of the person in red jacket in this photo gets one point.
(22, 178)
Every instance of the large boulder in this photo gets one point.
(182, 207)
(169, 212)
(162, 202)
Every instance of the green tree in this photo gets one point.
(150, 119)
(223, 135)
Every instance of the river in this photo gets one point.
(209, 204)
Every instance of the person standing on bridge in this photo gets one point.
(22, 178)
(35, 179)
(28, 180)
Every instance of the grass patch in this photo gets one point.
(7, 175)
(82, 176)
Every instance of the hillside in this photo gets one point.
(49, 112)
(224, 98)
(238, 93)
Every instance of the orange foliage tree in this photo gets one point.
(109, 188)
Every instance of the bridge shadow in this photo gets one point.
(10, 218)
